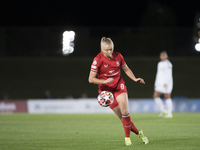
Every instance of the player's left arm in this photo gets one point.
(130, 74)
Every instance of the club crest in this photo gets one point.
(117, 63)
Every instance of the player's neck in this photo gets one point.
(163, 59)
(109, 57)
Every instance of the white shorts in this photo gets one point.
(162, 89)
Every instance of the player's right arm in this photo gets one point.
(93, 73)
(92, 79)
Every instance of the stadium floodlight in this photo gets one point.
(68, 42)
(197, 47)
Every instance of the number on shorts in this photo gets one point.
(122, 86)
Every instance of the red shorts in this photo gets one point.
(121, 88)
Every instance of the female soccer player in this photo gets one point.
(164, 85)
(106, 65)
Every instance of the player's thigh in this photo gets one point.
(117, 111)
(156, 94)
(122, 100)
(167, 95)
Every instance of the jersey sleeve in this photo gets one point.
(122, 63)
(95, 65)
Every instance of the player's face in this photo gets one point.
(163, 56)
(107, 50)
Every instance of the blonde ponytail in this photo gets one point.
(107, 41)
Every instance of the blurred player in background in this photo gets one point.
(164, 85)
(106, 65)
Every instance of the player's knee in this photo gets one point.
(167, 96)
(156, 94)
(125, 112)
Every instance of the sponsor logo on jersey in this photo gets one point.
(109, 75)
(95, 62)
(111, 71)
(117, 63)
(106, 66)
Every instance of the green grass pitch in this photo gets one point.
(97, 132)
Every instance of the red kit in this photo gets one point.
(110, 68)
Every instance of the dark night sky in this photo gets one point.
(89, 13)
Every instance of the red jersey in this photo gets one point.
(108, 68)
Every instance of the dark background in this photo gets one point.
(31, 59)
(138, 28)
(96, 13)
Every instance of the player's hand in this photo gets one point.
(109, 80)
(140, 80)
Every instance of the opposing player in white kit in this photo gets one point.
(164, 85)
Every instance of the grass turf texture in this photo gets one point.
(97, 132)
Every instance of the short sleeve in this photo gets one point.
(95, 64)
(123, 63)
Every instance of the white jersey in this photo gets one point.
(164, 79)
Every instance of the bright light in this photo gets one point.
(68, 42)
(197, 47)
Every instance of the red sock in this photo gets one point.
(134, 129)
(126, 121)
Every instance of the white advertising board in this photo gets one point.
(90, 105)
(66, 106)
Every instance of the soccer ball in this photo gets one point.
(105, 98)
